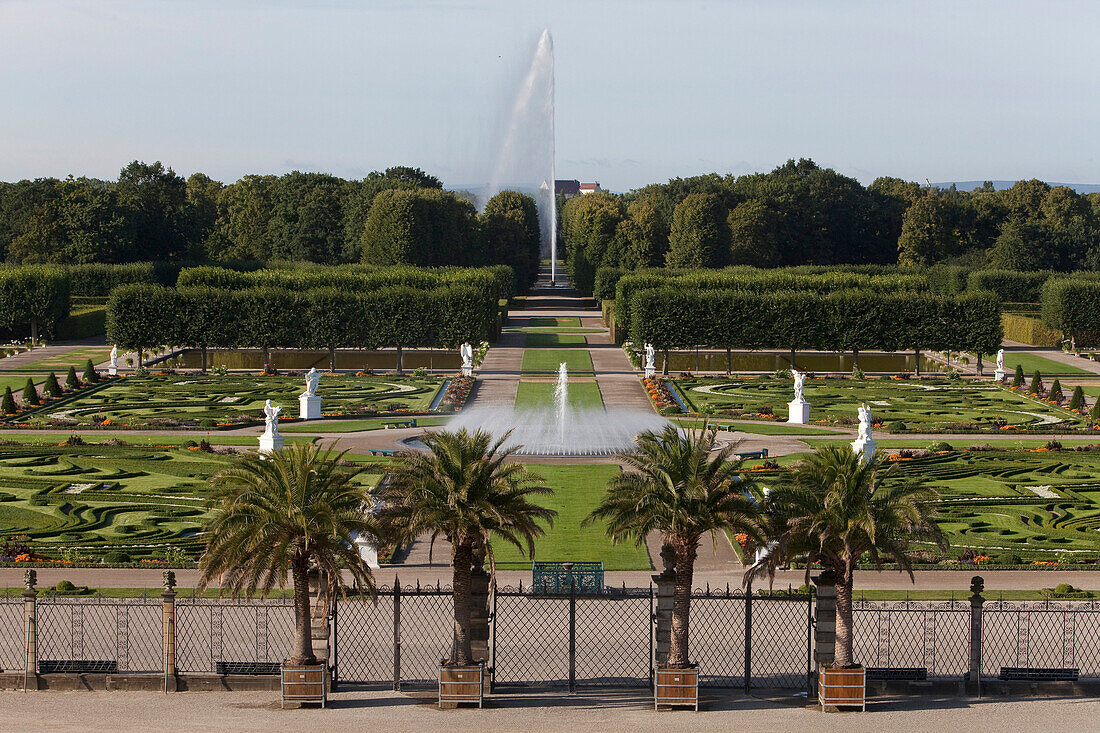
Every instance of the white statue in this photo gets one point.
(113, 369)
(864, 423)
(650, 361)
(466, 351)
(864, 445)
(799, 380)
(1000, 360)
(271, 419)
(312, 378)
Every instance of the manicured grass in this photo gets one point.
(554, 329)
(176, 399)
(1009, 443)
(547, 360)
(940, 405)
(76, 358)
(18, 381)
(550, 340)
(582, 395)
(1030, 363)
(544, 321)
(354, 426)
(760, 428)
(29, 437)
(577, 491)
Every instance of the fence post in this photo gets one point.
(666, 589)
(572, 635)
(30, 630)
(825, 618)
(396, 633)
(168, 596)
(748, 638)
(977, 585)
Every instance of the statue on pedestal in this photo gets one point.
(309, 404)
(864, 445)
(466, 351)
(271, 419)
(999, 373)
(799, 381)
(312, 378)
(650, 361)
(113, 369)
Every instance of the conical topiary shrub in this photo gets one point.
(1036, 383)
(8, 403)
(1077, 400)
(1095, 412)
(30, 394)
(1018, 380)
(52, 388)
(91, 376)
(1055, 391)
(71, 380)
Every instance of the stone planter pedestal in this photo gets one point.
(798, 412)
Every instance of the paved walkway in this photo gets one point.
(589, 710)
(1054, 355)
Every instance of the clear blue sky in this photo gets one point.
(646, 90)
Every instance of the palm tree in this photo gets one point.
(464, 489)
(837, 509)
(290, 511)
(679, 485)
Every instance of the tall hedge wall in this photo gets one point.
(35, 297)
(1009, 285)
(1073, 305)
(142, 316)
(755, 280)
(676, 318)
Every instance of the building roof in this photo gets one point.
(568, 188)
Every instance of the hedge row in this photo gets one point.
(1032, 331)
(496, 281)
(34, 297)
(756, 280)
(1009, 285)
(1073, 305)
(676, 318)
(141, 316)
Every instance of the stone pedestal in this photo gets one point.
(368, 551)
(467, 371)
(271, 443)
(309, 407)
(999, 375)
(650, 372)
(798, 412)
(112, 371)
(864, 448)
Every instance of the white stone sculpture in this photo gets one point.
(466, 351)
(798, 409)
(864, 445)
(650, 362)
(271, 441)
(309, 404)
(113, 369)
(368, 550)
(999, 374)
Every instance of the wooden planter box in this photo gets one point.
(676, 687)
(458, 684)
(842, 687)
(305, 683)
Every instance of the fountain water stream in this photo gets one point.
(561, 398)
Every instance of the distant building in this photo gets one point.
(569, 189)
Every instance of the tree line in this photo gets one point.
(801, 214)
(398, 216)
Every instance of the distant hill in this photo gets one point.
(1001, 185)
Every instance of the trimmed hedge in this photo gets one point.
(1028, 330)
(1009, 285)
(1072, 304)
(144, 316)
(35, 297)
(676, 318)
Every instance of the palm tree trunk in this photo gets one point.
(303, 629)
(681, 606)
(844, 620)
(463, 561)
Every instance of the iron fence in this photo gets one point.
(12, 650)
(1050, 635)
(100, 634)
(934, 636)
(232, 636)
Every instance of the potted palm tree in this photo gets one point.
(835, 510)
(679, 485)
(464, 489)
(290, 512)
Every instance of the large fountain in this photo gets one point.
(561, 429)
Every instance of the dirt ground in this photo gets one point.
(618, 711)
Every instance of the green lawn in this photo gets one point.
(75, 358)
(354, 426)
(941, 405)
(18, 381)
(545, 321)
(582, 395)
(577, 491)
(1030, 363)
(202, 401)
(884, 441)
(32, 437)
(547, 360)
(554, 329)
(550, 340)
(760, 428)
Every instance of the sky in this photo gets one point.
(645, 90)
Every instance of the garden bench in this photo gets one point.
(400, 424)
(911, 674)
(381, 452)
(271, 668)
(77, 666)
(1040, 674)
(750, 455)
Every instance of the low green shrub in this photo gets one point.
(71, 380)
(940, 445)
(897, 426)
(52, 388)
(1018, 379)
(116, 557)
(30, 394)
(8, 402)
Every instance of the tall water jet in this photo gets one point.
(561, 398)
(526, 157)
